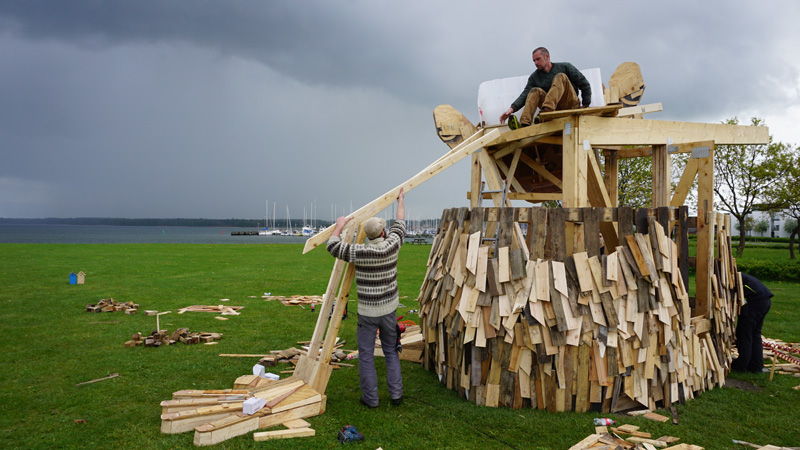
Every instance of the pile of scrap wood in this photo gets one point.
(109, 305)
(220, 309)
(218, 415)
(778, 350)
(412, 343)
(295, 299)
(164, 337)
(291, 356)
(521, 323)
(634, 439)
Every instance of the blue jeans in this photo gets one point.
(368, 377)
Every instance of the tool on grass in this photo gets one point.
(349, 433)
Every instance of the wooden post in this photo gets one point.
(705, 227)
(574, 180)
(661, 176)
(475, 182)
(612, 176)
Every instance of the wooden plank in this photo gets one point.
(640, 109)
(556, 234)
(370, 209)
(598, 197)
(536, 233)
(591, 222)
(705, 232)
(608, 131)
(283, 434)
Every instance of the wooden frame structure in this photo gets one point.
(541, 317)
(473, 290)
(577, 136)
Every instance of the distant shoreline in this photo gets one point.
(174, 222)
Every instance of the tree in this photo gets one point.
(784, 194)
(749, 225)
(744, 173)
(762, 226)
(635, 185)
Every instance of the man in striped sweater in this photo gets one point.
(376, 284)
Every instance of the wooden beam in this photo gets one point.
(661, 176)
(689, 172)
(611, 176)
(529, 135)
(475, 182)
(607, 110)
(602, 131)
(463, 150)
(540, 169)
(574, 168)
(705, 233)
(640, 109)
(598, 197)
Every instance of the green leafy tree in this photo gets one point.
(784, 194)
(743, 174)
(762, 226)
(635, 186)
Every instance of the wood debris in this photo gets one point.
(516, 321)
(633, 439)
(113, 375)
(778, 350)
(295, 299)
(164, 337)
(109, 305)
(220, 309)
(218, 415)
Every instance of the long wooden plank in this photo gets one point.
(465, 149)
(283, 434)
(602, 131)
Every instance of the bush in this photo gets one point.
(771, 270)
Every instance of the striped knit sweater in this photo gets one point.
(376, 269)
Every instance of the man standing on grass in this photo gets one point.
(378, 298)
(748, 327)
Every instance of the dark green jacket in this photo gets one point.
(544, 80)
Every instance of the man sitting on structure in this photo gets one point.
(378, 299)
(552, 86)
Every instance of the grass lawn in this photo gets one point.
(50, 344)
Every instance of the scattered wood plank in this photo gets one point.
(113, 375)
(284, 434)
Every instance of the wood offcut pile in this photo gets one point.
(295, 299)
(109, 305)
(526, 324)
(164, 337)
(252, 404)
(220, 309)
(778, 350)
(629, 437)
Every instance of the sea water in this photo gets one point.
(114, 234)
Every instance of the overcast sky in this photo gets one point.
(206, 109)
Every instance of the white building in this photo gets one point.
(777, 223)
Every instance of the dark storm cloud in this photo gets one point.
(206, 108)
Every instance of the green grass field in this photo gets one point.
(50, 344)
